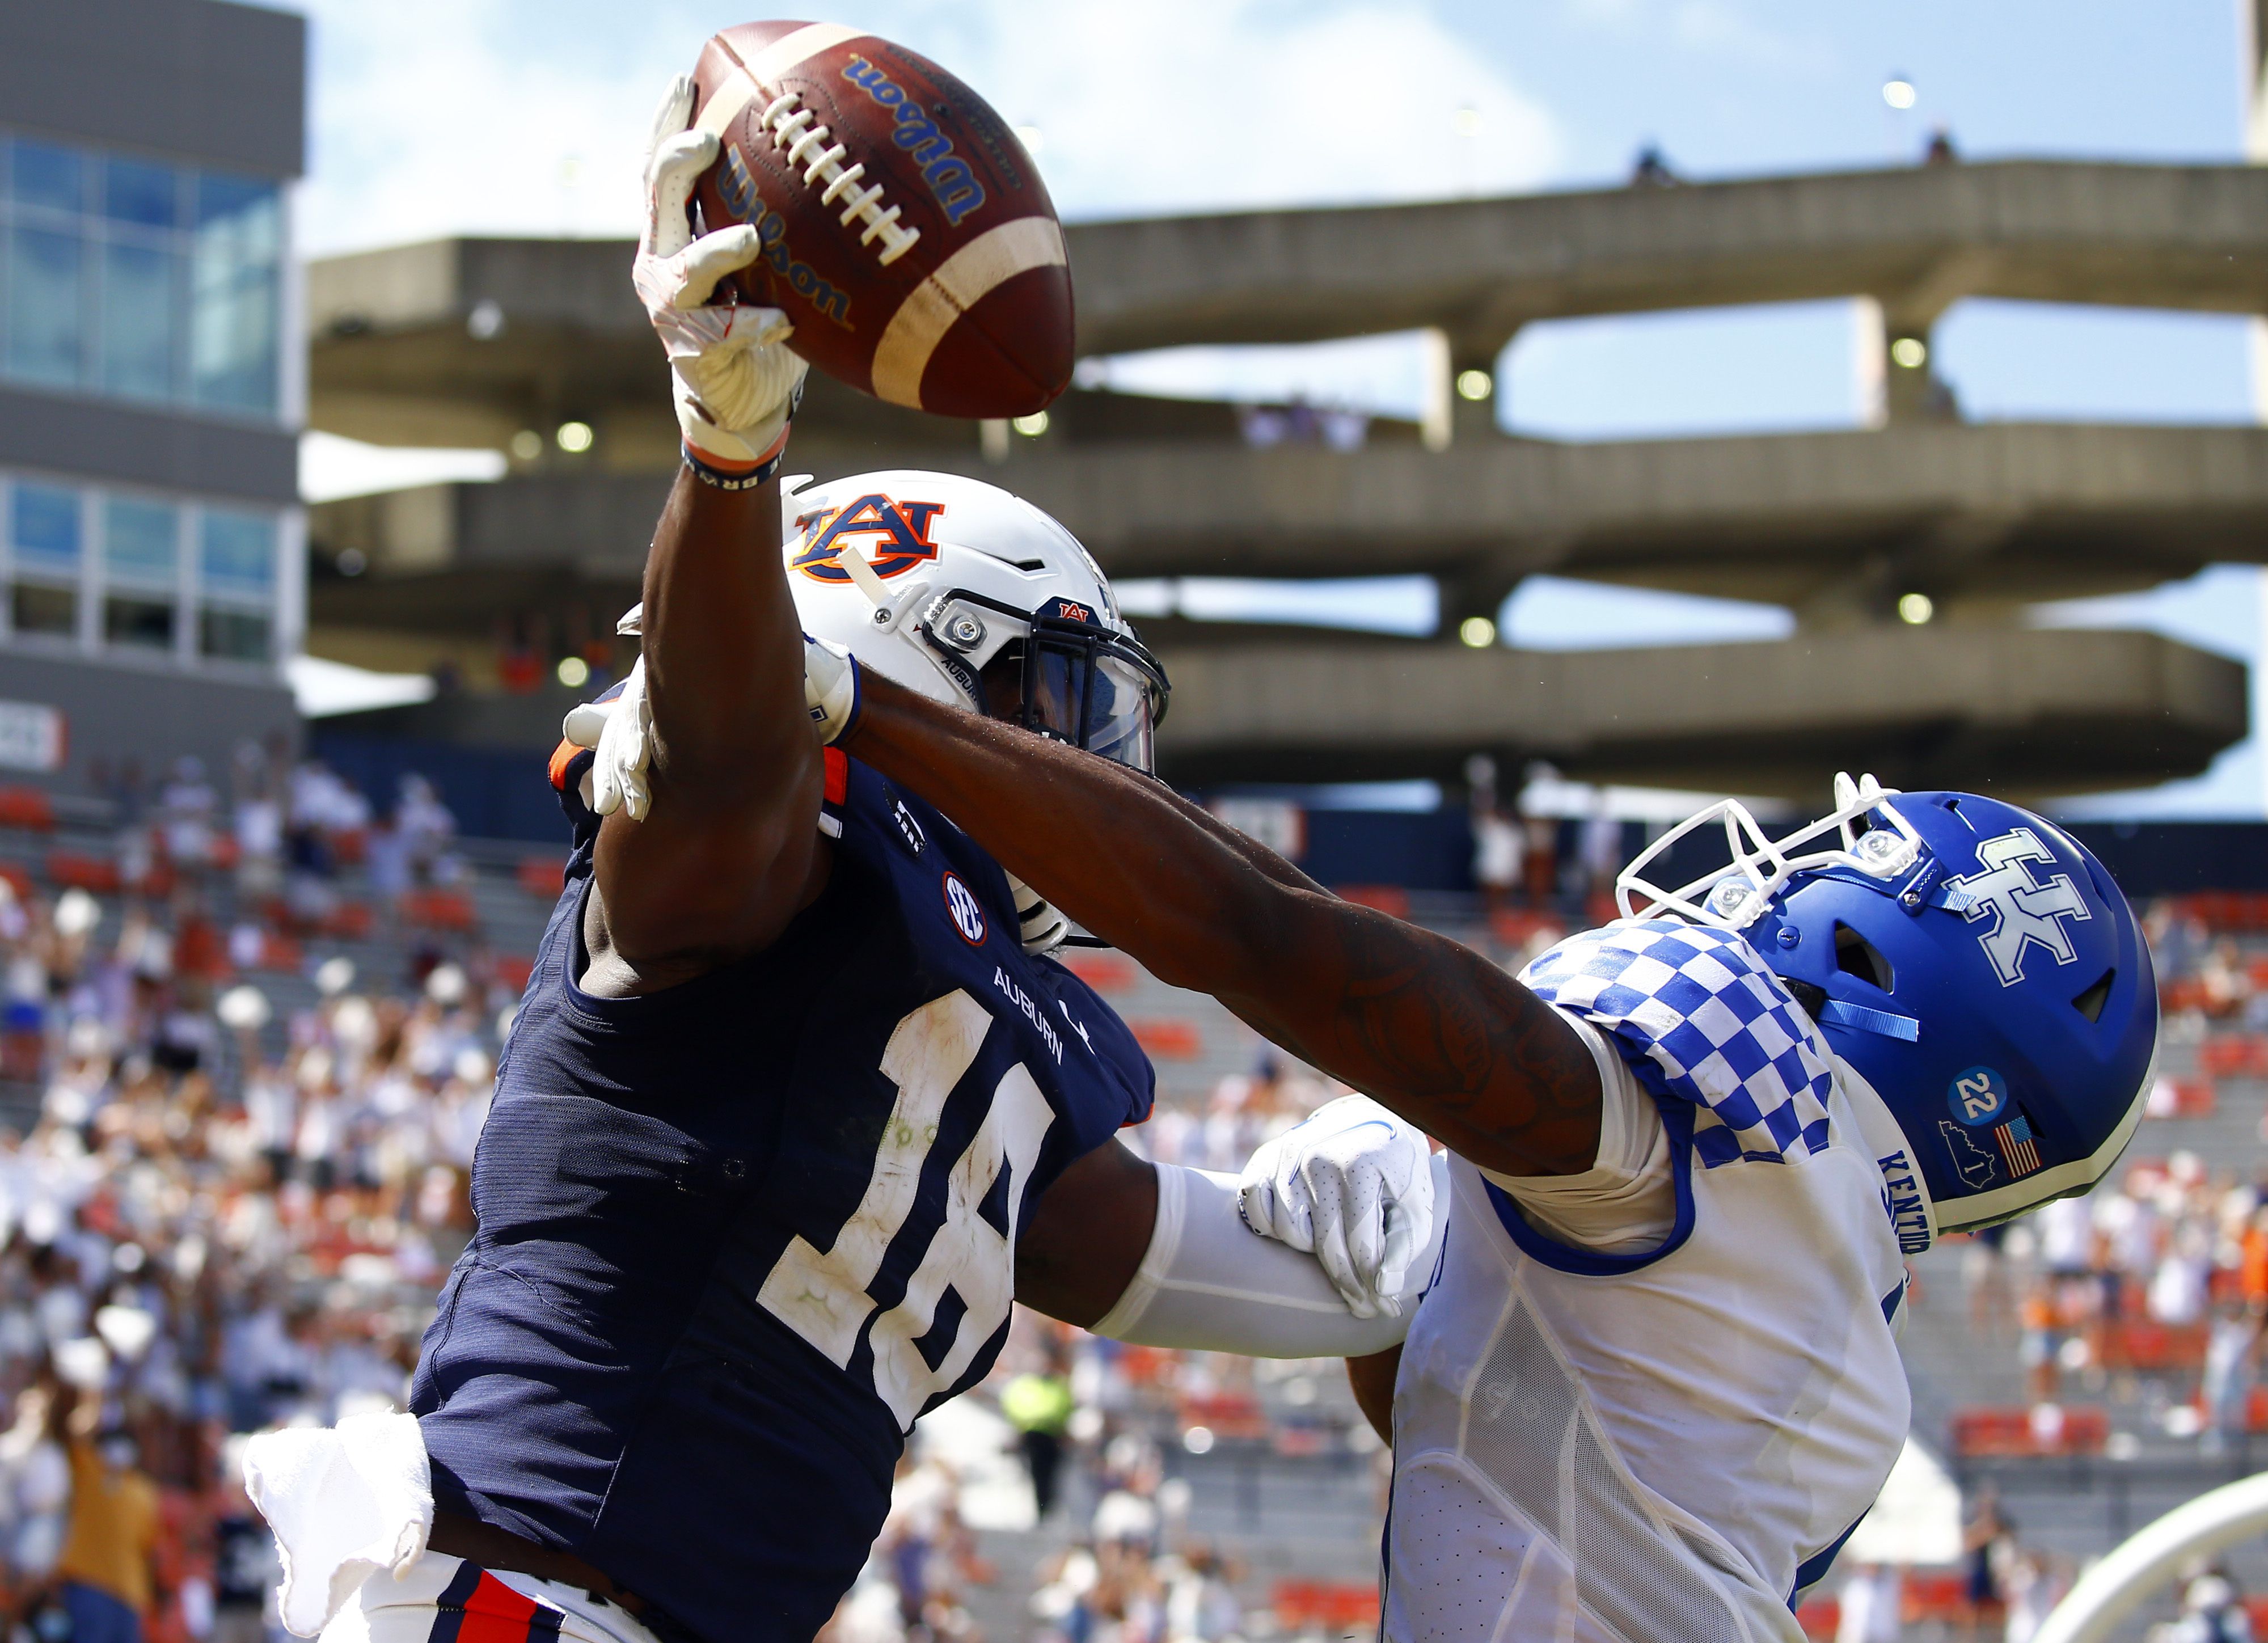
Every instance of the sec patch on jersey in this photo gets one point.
(905, 231)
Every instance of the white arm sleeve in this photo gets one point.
(1209, 1283)
(1626, 1202)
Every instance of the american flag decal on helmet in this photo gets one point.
(2017, 1146)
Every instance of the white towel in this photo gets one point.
(344, 1502)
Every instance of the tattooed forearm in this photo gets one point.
(1428, 1027)
(1438, 1032)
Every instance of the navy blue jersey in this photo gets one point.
(736, 1236)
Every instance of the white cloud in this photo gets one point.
(509, 117)
(1184, 105)
(474, 116)
(1725, 29)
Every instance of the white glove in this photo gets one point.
(1354, 1186)
(621, 732)
(830, 687)
(734, 379)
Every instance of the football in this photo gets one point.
(906, 233)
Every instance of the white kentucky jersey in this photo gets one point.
(1594, 1447)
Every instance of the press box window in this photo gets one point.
(140, 573)
(148, 282)
(236, 294)
(236, 576)
(43, 549)
(45, 308)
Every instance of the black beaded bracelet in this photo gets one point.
(709, 473)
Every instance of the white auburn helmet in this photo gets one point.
(930, 580)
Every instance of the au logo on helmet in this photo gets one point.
(2024, 912)
(894, 534)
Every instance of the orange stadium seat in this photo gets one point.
(2140, 1343)
(76, 870)
(2018, 1431)
(350, 921)
(1516, 927)
(27, 807)
(440, 909)
(1225, 1414)
(2194, 1098)
(1169, 1038)
(542, 877)
(2234, 1055)
(1105, 972)
(1388, 898)
(1941, 1594)
(2182, 993)
(1330, 1604)
(280, 954)
(513, 971)
(2227, 910)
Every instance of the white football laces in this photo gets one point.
(1735, 897)
(792, 128)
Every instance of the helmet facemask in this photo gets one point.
(1735, 897)
(1060, 674)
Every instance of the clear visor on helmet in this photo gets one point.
(1093, 690)
(1082, 684)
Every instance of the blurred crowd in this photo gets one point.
(1110, 1441)
(232, 1171)
(245, 1050)
(2155, 1287)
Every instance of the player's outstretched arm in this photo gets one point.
(710, 843)
(1431, 1029)
(722, 860)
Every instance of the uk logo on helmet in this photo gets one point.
(2025, 911)
(893, 536)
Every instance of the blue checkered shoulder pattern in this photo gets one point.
(1711, 1025)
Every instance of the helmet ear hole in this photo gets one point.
(2089, 1003)
(1855, 955)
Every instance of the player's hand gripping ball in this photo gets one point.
(899, 224)
(733, 380)
(1354, 1186)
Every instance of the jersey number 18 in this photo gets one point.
(821, 1294)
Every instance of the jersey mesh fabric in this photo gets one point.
(1703, 1019)
(733, 1236)
(1532, 1423)
(1652, 1448)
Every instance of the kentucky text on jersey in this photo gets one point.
(1902, 1201)
(734, 1237)
(739, 187)
(947, 174)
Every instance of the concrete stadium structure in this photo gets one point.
(474, 341)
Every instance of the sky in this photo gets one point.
(508, 116)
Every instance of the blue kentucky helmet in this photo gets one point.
(1970, 962)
